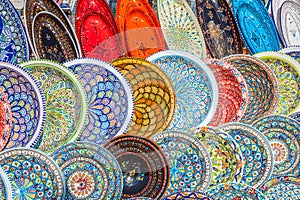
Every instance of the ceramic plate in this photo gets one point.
(256, 151)
(5, 120)
(225, 155)
(90, 171)
(140, 198)
(27, 104)
(256, 26)
(145, 167)
(287, 72)
(220, 30)
(110, 99)
(33, 174)
(140, 28)
(187, 195)
(5, 186)
(181, 27)
(294, 52)
(113, 6)
(195, 87)
(283, 187)
(66, 103)
(230, 191)
(190, 164)
(283, 134)
(14, 46)
(231, 94)
(51, 39)
(153, 93)
(296, 116)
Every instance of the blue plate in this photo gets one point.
(293, 51)
(256, 27)
(296, 116)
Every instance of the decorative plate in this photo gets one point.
(195, 87)
(5, 186)
(190, 164)
(153, 93)
(256, 150)
(289, 17)
(282, 187)
(231, 94)
(110, 99)
(33, 7)
(287, 72)
(153, 4)
(14, 45)
(225, 155)
(140, 198)
(66, 103)
(256, 26)
(181, 27)
(5, 120)
(262, 86)
(283, 134)
(90, 171)
(294, 52)
(51, 39)
(27, 105)
(232, 191)
(296, 116)
(220, 30)
(33, 174)
(187, 195)
(145, 167)
(139, 28)
(113, 6)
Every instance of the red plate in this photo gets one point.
(5, 120)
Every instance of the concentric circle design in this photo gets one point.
(90, 171)
(153, 93)
(33, 174)
(66, 103)
(144, 166)
(5, 120)
(280, 151)
(190, 165)
(187, 195)
(5, 186)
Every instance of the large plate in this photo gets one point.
(110, 99)
(66, 103)
(287, 71)
(256, 26)
(195, 87)
(5, 186)
(220, 30)
(5, 120)
(181, 27)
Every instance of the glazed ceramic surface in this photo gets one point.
(5, 120)
(187, 195)
(293, 51)
(5, 186)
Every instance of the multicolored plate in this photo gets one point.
(153, 93)
(283, 134)
(187, 195)
(256, 150)
(225, 155)
(33, 174)
(296, 116)
(14, 46)
(190, 165)
(5, 186)
(27, 105)
(287, 71)
(195, 86)
(110, 99)
(294, 52)
(145, 167)
(282, 188)
(90, 171)
(5, 120)
(220, 30)
(66, 103)
(262, 86)
(256, 26)
(235, 191)
(139, 28)
(181, 27)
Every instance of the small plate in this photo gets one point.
(261, 83)
(27, 104)
(181, 27)
(5, 186)
(66, 103)
(90, 171)
(51, 39)
(256, 26)
(145, 167)
(110, 99)
(33, 173)
(5, 120)
(219, 28)
(153, 93)
(187, 195)
(195, 87)
(293, 51)
(287, 71)
(190, 165)
(256, 150)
